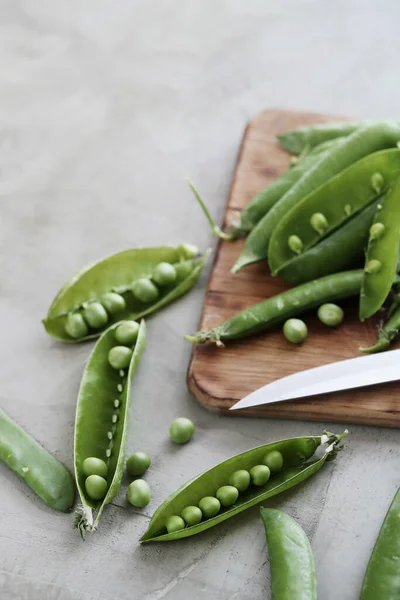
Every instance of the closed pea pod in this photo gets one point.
(201, 490)
(41, 471)
(108, 284)
(104, 394)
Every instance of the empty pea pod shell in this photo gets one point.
(104, 392)
(117, 273)
(295, 451)
(350, 187)
(41, 471)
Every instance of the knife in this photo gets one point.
(342, 375)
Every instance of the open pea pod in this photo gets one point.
(107, 292)
(331, 206)
(295, 452)
(101, 422)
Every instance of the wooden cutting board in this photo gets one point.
(219, 377)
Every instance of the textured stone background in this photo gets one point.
(105, 108)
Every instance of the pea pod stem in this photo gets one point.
(214, 227)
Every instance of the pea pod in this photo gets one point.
(362, 142)
(382, 578)
(44, 474)
(278, 308)
(295, 453)
(101, 422)
(382, 253)
(386, 335)
(291, 558)
(106, 292)
(332, 205)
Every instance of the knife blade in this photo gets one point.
(342, 375)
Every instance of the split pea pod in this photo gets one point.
(332, 205)
(127, 285)
(277, 309)
(101, 422)
(291, 559)
(382, 253)
(382, 578)
(362, 142)
(262, 483)
(386, 335)
(41, 471)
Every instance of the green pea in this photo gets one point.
(260, 475)
(119, 357)
(295, 244)
(139, 493)
(209, 506)
(126, 333)
(319, 223)
(164, 274)
(227, 495)
(377, 182)
(181, 430)
(183, 270)
(76, 326)
(376, 231)
(240, 480)
(188, 250)
(273, 460)
(295, 331)
(330, 314)
(373, 266)
(96, 487)
(96, 315)
(192, 515)
(113, 302)
(94, 466)
(174, 523)
(144, 290)
(138, 463)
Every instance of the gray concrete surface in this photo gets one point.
(105, 107)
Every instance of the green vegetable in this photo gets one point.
(259, 474)
(164, 274)
(144, 290)
(138, 463)
(274, 461)
(330, 314)
(113, 302)
(192, 515)
(174, 523)
(295, 331)
(227, 495)
(94, 466)
(75, 326)
(41, 471)
(126, 333)
(101, 422)
(96, 487)
(119, 357)
(95, 315)
(387, 334)
(209, 506)
(291, 559)
(181, 430)
(139, 493)
(240, 480)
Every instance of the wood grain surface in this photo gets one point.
(219, 377)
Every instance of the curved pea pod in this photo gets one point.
(382, 578)
(387, 334)
(362, 142)
(295, 452)
(41, 471)
(278, 308)
(117, 273)
(382, 253)
(101, 422)
(291, 559)
(332, 205)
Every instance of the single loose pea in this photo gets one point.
(174, 523)
(209, 506)
(144, 290)
(164, 274)
(376, 231)
(240, 480)
(319, 223)
(119, 357)
(139, 493)
(273, 460)
(94, 466)
(330, 314)
(96, 315)
(76, 326)
(295, 331)
(373, 266)
(377, 182)
(127, 333)
(227, 495)
(96, 487)
(113, 302)
(260, 474)
(181, 430)
(138, 463)
(192, 515)
(295, 244)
